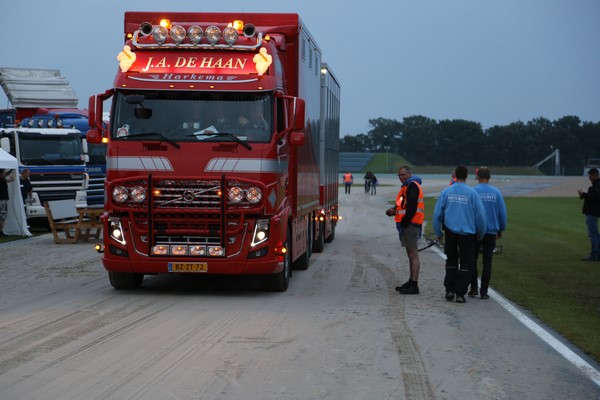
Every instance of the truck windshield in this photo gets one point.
(49, 149)
(193, 116)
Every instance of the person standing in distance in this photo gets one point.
(6, 176)
(26, 188)
(460, 213)
(348, 180)
(591, 210)
(409, 213)
(495, 212)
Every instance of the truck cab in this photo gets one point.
(55, 157)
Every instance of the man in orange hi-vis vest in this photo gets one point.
(348, 180)
(409, 213)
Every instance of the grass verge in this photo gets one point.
(540, 266)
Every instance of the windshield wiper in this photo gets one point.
(160, 135)
(221, 134)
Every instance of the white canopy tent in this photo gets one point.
(16, 220)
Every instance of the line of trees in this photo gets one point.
(425, 141)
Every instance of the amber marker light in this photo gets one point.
(165, 23)
(156, 192)
(238, 24)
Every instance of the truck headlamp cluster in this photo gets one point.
(115, 230)
(187, 250)
(194, 34)
(121, 194)
(261, 232)
(236, 194)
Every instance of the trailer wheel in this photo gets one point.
(280, 281)
(124, 280)
(319, 242)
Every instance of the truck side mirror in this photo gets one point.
(93, 136)
(297, 139)
(299, 114)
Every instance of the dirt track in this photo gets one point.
(339, 332)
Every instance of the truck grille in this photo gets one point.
(184, 208)
(187, 194)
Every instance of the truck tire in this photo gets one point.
(279, 282)
(331, 236)
(303, 261)
(124, 280)
(319, 242)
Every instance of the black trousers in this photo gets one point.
(460, 261)
(487, 246)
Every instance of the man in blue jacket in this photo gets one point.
(460, 213)
(495, 212)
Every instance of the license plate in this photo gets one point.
(188, 267)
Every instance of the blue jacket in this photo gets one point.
(460, 210)
(495, 209)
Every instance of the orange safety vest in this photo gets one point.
(347, 178)
(419, 216)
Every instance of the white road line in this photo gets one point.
(556, 344)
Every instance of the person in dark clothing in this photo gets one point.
(373, 184)
(26, 187)
(5, 177)
(591, 210)
(368, 178)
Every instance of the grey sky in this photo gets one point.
(488, 61)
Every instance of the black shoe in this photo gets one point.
(460, 299)
(473, 292)
(404, 286)
(449, 296)
(590, 258)
(409, 290)
(484, 296)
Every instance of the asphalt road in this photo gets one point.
(339, 332)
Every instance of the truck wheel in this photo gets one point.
(303, 261)
(319, 242)
(124, 280)
(331, 236)
(279, 282)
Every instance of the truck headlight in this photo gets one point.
(213, 34)
(235, 194)
(120, 194)
(254, 195)
(160, 33)
(116, 230)
(178, 33)
(261, 232)
(230, 35)
(138, 194)
(195, 34)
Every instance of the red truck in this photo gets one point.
(222, 148)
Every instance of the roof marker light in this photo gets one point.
(165, 23)
(238, 25)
